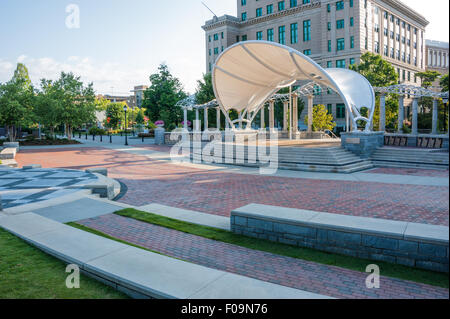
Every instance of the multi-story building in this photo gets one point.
(139, 94)
(437, 58)
(333, 33)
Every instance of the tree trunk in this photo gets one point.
(12, 133)
(69, 132)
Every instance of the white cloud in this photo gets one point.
(21, 58)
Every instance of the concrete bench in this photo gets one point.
(415, 245)
(98, 170)
(8, 153)
(32, 166)
(137, 272)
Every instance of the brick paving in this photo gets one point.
(151, 181)
(409, 171)
(291, 272)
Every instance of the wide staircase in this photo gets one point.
(410, 158)
(322, 159)
(319, 159)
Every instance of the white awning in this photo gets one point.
(248, 73)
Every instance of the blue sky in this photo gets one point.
(120, 43)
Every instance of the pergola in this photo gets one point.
(415, 92)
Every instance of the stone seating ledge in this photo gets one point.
(137, 272)
(411, 244)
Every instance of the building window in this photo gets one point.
(258, 12)
(244, 16)
(340, 111)
(237, 38)
(307, 52)
(210, 67)
(306, 1)
(307, 30)
(352, 42)
(392, 55)
(377, 47)
(244, 37)
(352, 61)
(329, 26)
(243, 2)
(216, 51)
(351, 3)
(329, 45)
(294, 33)
(340, 44)
(221, 49)
(385, 50)
(340, 24)
(209, 38)
(339, 5)
(259, 35)
(351, 21)
(221, 35)
(209, 52)
(328, 7)
(270, 35)
(282, 34)
(329, 64)
(281, 6)
(293, 3)
(330, 108)
(216, 37)
(269, 9)
(340, 64)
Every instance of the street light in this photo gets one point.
(126, 135)
(445, 101)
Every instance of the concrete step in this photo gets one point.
(378, 163)
(8, 153)
(411, 158)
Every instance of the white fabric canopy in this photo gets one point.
(248, 73)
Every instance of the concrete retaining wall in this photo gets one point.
(415, 245)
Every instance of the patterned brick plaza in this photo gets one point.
(218, 192)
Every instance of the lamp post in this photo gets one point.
(126, 133)
(445, 100)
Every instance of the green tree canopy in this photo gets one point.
(16, 101)
(115, 115)
(428, 77)
(322, 120)
(378, 72)
(444, 83)
(205, 91)
(162, 95)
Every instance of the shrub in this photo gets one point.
(96, 131)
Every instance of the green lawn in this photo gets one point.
(387, 269)
(28, 273)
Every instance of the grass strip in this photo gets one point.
(353, 263)
(28, 273)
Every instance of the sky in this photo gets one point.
(117, 44)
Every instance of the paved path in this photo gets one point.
(291, 272)
(150, 178)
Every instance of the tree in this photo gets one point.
(377, 71)
(47, 106)
(205, 91)
(115, 115)
(380, 73)
(322, 120)
(16, 100)
(162, 95)
(71, 101)
(444, 83)
(428, 77)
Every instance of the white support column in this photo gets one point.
(310, 112)
(218, 118)
(415, 110)
(205, 118)
(382, 112)
(263, 121)
(197, 120)
(185, 126)
(271, 115)
(240, 120)
(285, 115)
(294, 113)
(401, 113)
(435, 117)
